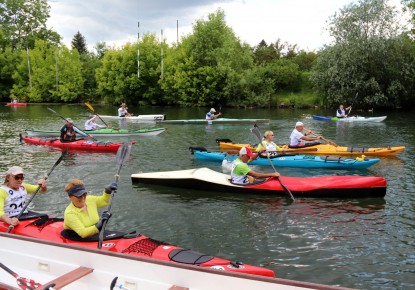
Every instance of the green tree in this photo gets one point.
(46, 63)
(79, 43)
(365, 58)
(205, 68)
(23, 21)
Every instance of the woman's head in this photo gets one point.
(268, 135)
(76, 192)
(14, 177)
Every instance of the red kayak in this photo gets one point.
(347, 186)
(42, 227)
(76, 145)
(16, 104)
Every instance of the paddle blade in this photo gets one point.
(90, 107)
(256, 132)
(123, 154)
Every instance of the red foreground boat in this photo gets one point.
(42, 227)
(347, 186)
(81, 144)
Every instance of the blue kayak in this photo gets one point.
(302, 161)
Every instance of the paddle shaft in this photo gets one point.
(257, 133)
(72, 123)
(355, 97)
(123, 154)
(323, 138)
(92, 109)
(38, 188)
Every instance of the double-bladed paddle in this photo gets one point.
(38, 188)
(123, 154)
(23, 283)
(257, 133)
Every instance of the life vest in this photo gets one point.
(68, 134)
(238, 179)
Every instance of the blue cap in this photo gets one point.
(77, 190)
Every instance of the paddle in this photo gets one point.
(257, 133)
(23, 283)
(38, 188)
(56, 113)
(324, 139)
(119, 286)
(92, 109)
(355, 97)
(122, 155)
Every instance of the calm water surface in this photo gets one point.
(357, 243)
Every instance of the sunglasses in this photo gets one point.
(18, 177)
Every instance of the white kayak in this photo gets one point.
(154, 118)
(362, 119)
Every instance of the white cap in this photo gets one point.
(213, 110)
(299, 124)
(69, 120)
(15, 170)
(246, 151)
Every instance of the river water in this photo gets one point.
(356, 243)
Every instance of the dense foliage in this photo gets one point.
(371, 54)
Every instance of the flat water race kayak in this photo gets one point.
(76, 145)
(105, 132)
(350, 119)
(228, 121)
(346, 186)
(152, 118)
(298, 161)
(43, 227)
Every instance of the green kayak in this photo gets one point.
(105, 132)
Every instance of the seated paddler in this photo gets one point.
(267, 146)
(241, 173)
(81, 215)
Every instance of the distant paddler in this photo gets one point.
(123, 112)
(211, 114)
(90, 124)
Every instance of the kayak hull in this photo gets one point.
(351, 119)
(106, 132)
(299, 161)
(16, 104)
(316, 187)
(217, 121)
(153, 118)
(324, 149)
(131, 244)
(83, 145)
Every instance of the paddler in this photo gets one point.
(68, 132)
(242, 174)
(267, 146)
(297, 138)
(82, 216)
(90, 124)
(123, 112)
(211, 114)
(13, 194)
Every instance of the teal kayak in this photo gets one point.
(217, 121)
(105, 132)
(300, 161)
(350, 119)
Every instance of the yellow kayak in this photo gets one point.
(323, 149)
